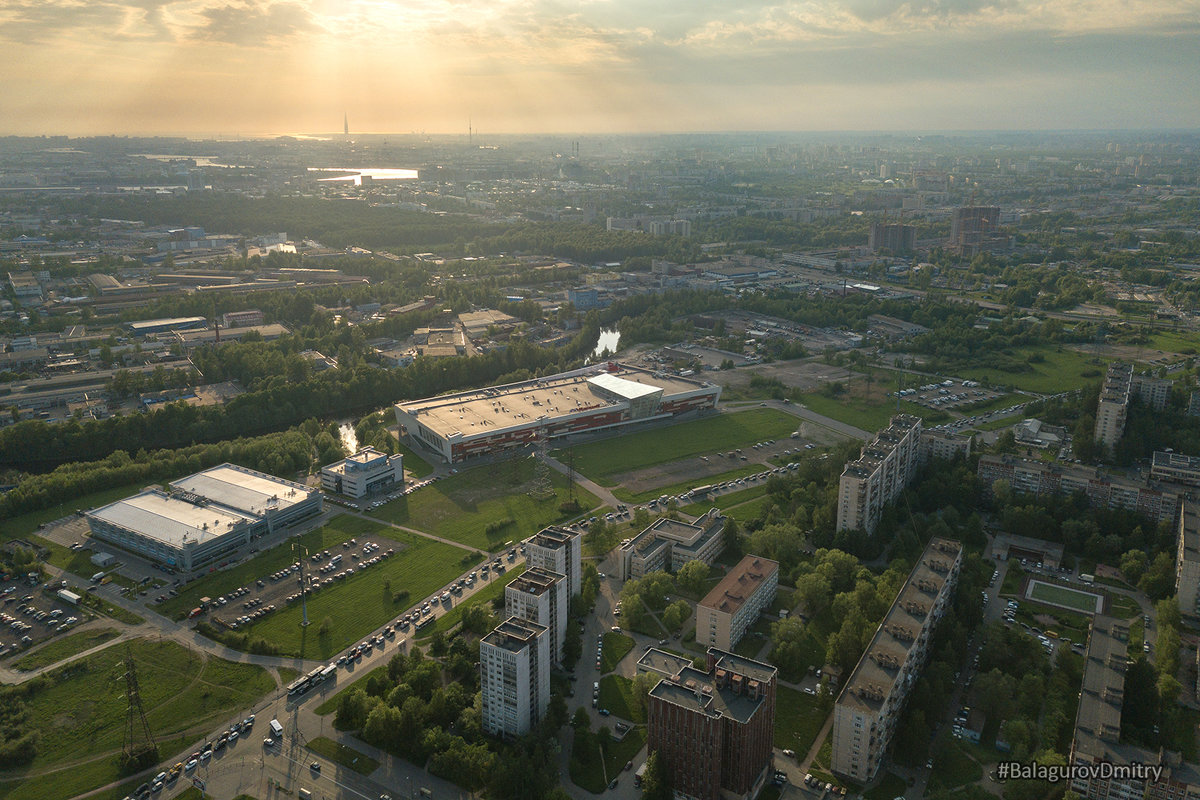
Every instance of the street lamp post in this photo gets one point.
(302, 554)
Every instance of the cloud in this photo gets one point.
(250, 23)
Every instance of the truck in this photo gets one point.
(195, 612)
(639, 775)
(68, 597)
(99, 576)
(276, 729)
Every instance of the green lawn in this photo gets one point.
(649, 493)
(868, 415)
(727, 500)
(472, 507)
(360, 604)
(602, 460)
(413, 463)
(1059, 371)
(798, 720)
(1062, 596)
(340, 528)
(952, 766)
(616, 647)
(617, 695)
(749, 511)
(889, 786)
(484, 596)
(588, 769)
(1175, 342)
(341, 754)
(81, 709)
(67, 646)
(1123, 606)
(287, 674)
(26, 524)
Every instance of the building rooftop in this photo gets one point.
(740, 583)
(244, 490)
(662, 662)
(876, 671)
(531, 403)
(170, 519)
(733, 688)
(367, 457)
(1098, 720)
(535, 581)
(514, 634)
(169, 322)
(553, 537)
(1189, 531)
(1167, 460)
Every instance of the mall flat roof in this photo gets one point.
(529, 403)
(244, 490)
(166, 519)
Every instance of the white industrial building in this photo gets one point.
(363, 473)
(204, 517)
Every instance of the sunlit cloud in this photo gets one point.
(260, 65)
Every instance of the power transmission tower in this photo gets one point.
(301, 556)
(541, 488)
(138, 740)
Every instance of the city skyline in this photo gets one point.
(202, 67)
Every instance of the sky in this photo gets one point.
(254, 67)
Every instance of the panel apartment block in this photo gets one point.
(880, 473)
(1187, 560)
(869, 707)
(734, 604)
(714, 730)
(1097, 738)
(1157, 501)
(514, 677)
(556, 549)
(540, 596)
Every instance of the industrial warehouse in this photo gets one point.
(204, 516)
(485, 421)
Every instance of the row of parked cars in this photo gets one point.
(201, 756)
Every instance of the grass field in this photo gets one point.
(341, 754)
(1175, 342)
(602, 460)
(287, 674)
(1059, 371)
(464, 507)
(484, 596)
(890, 785)
(726, 500)
(616, 647)
(749, 511)
(651, 492)
(1085, 602)
(362, 603)
(26, 524)
(67, 646)
(616, 694)
(797, 720)
(866, 413)
(339, 529)
(81, 709)
(588, 769)
(952, 766)
(413, 463)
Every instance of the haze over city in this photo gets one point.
(201, 67)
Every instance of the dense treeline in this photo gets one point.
(282, 454)
(278, 403)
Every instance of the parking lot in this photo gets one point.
(268, 593)
(32, 614)
(948, 394)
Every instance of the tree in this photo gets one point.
(692, 576)
(675, 615)
(656, 783)
(1133, 565)
(815, 592)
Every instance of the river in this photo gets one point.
(608, 341)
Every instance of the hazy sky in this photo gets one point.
(255, 66)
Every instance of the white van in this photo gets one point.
(304, 794)
(276, 729)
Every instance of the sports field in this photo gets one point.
(1054, 595)
(602, 460)
(487, 506)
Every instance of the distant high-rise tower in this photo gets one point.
(346, 124)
